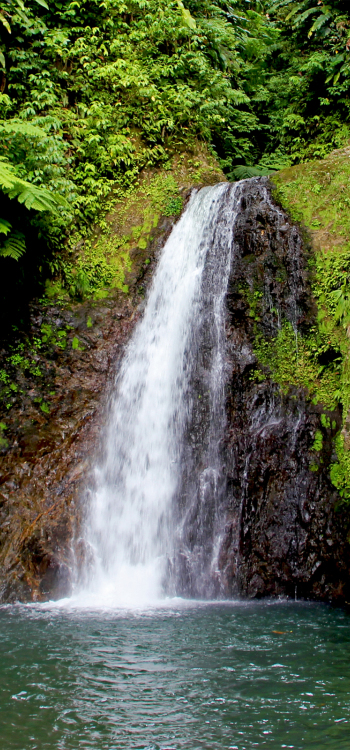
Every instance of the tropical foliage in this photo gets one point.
(94, 91)
(31, 196)
(308, 101)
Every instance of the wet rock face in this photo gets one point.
(285, 531)
(46, 463)
(276, 527)
(260, 522)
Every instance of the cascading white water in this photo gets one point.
(131, 524)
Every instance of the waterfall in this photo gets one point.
(138, 510)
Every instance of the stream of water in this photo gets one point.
(132, 528)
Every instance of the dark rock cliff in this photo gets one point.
(274, 526)
(279, 526)
(286, 529)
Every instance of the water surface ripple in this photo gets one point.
(194, 676)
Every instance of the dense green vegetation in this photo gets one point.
(108, 106)
(307, 102)
(94, 92)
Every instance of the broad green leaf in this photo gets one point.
(188, 20)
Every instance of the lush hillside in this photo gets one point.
(93, 93)
(111, 109)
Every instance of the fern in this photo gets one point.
(5, 226)
(342, 311)
(300, 13)
(320, 21)
(14, 246)
(30, 195)
(243, 172)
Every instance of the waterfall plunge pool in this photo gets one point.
(187, 675)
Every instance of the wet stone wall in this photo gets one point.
(257, 521)
(276, 528)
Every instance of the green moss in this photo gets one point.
(318, 441)
(21, 362)
(3, 440)
(76, 344)
(57, 337)
(317, 195)
(142, 243)
(102, 261)
(340, 471)
(253, 297)
(101, 294)
(293, 361)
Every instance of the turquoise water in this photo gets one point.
(188, 676)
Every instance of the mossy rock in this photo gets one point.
(317, 195)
